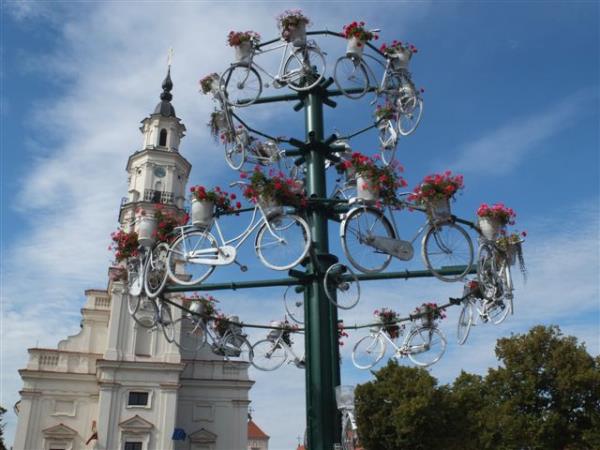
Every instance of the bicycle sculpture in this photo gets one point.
(285, 181)
(270, 353)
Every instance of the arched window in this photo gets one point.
(162, 141)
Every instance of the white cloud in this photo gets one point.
(503, 149)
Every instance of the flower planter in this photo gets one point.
(439, 209)
(295, 35)
(243, 51)
(512, 251)
(146, 230)
(220, 121)
(355, 47)
(202, 212)
(490, 228)
(214, 85)
(400, 59)
(270, 206)
(427, 321)
(274, 334)
(366, 190)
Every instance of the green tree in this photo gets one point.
(400, 409)
(545, 395)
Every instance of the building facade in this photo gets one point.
(116, 385)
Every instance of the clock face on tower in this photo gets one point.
(159, 171)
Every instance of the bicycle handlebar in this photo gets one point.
(236, 183)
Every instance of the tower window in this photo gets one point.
(162, 141)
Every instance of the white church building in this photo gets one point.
(117, 386)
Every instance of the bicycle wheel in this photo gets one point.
(349, 435)
(447, 245)
(497, 311)
(487, 274)
(235, 152)
(241, 85)
(465, 320)
(351, 77)
(388, 138)
(344, 294)
(236, 347)
(166, 322)
(304, 68)
(155, 271)
(135, 277)
(425, 346)
(146, 312)
(358, 231)
(268, 355)
(191, 336)
(185, 250)
(411, 110)
(283, 241)
(294, 304)
(368, 351)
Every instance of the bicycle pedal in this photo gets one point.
(244, 268)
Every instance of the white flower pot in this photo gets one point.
(270, 206)
(490, 228)
(202, 212)
(220, 121)
(243, 51)
(400, 59)
(214, 85)
(439, 209)
(295, 35)
(146, 228)
(366, 189)
(355, 47)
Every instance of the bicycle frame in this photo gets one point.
(280, 342)
(211, 256)
(277, 77)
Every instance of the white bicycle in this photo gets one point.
(424, 346)
(270, 353)
(370, 240)
(282, 242)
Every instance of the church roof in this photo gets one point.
(254, 432)
(164, 108)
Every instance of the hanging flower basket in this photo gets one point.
(401, 59)
(242, 42)
(357, 37)
(210, 84)
(439, 209)
(292, 24)
(399, 54)
(202, 212)
(355, 47)
(490, 227)
(429, 313)
(366, 189)
(493, 219)
(243, 51)
(146, 229)
(270, 206)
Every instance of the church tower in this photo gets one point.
(116, 385)
(157, 173)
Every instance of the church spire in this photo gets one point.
(164, 108)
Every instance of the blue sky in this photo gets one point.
(511, 102)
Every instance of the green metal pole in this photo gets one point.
(322, 355)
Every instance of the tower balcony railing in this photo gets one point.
(150, 195)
